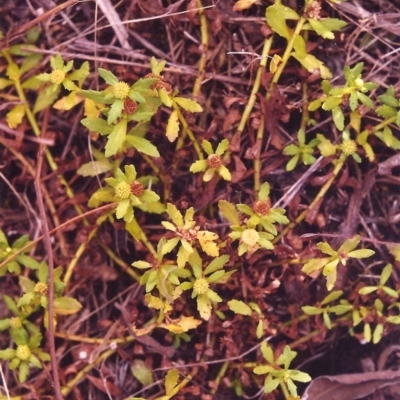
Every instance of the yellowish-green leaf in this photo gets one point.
(188, 105)
(171, 380)
(311, 63)
(154, 302)
(173, 126)
(277, 15)
(66, 306)
(142, 372)
(183, 324)
(239, 307)
(15, 116)
(228, 211)
(116, 138)
(166, 100)
(243, 5)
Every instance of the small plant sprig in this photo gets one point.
(278, 372)
(302, 151)
(187, 233)
(329, 264)
(6, 250)
(127, 191)
(202, 279)
(338, 309)
(27, 353)
(261, 214)
(214, 163)
(351, 94)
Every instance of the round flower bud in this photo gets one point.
(57, 76)
(359, 83)
(41, 288)
(201, 286)
(262, 207)
(15, 323)
(130, 106)
(250, 237)
(214, 161)
(122, 190)
(121, 90)
(349, 147)
(136, 188)
(23, 352)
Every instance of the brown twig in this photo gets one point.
(50, 261)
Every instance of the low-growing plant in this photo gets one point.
(199, 255)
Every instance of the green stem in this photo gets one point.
(188, 131)
(286, 54)
(204, 43)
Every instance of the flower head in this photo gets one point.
(262, 213)
(214, 163)
(128, 192)
(202, 279)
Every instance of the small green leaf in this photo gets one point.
(338, 118)
(173, 126)
(108, 76)
(143, 145)
(171, 380)
(229, 212)
(66, 306)
(142, 372)
(97, 125)
(239, 307)
(267, 352)
(94, 168)
(116, 138)
(277, 15)
(188, 105)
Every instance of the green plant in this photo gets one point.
(278, 372)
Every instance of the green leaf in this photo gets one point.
(239, 307)
(171, 380)
(362, 253)
(97, 125)
(216, 264)
(115, 111)
(270, 386)
(173, 126)
(377, 335)
(204, 306)
(311, 63)
(97, 97)
(321, 28)
(94, 168)
(332, 297)
(169, 245)
(108, 76)
(165, 98)
(66, 306)
(229, 212)
(157, 67)
(267, 352)
(188, 105)
(291, 150)
(310, 310)
(277, 15)
(116, 138)
(142, 372)
(143, 145)
(198, 166)
(299, 46)
(338, 118)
